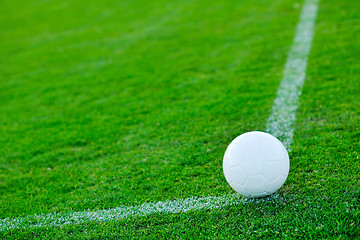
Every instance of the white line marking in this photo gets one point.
(280, 124)
(283, 116)
(178, 206)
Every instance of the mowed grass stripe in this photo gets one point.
(282, 118)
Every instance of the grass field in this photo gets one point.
(118, 103)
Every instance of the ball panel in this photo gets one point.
(236, 155)
(273, 170)
(271, 147)
(236, 143)
(240, 189)
(285, 164)
(250, 142)
(238, 175)
(226, 168)
(276, 184)
(253, 162)
(256, 184)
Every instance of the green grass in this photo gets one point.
(124, 102)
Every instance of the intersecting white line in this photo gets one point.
(280, 124)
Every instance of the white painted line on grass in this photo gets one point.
(283, 116)
(280, 124)
(177, 206)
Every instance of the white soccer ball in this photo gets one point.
(256, 164)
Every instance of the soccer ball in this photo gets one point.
(256, 164)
